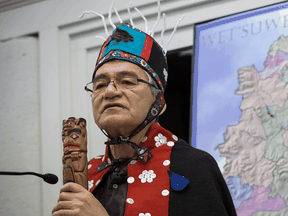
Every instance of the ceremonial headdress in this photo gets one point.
(131, 44)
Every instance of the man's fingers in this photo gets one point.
(71, 187)
(66, 213)
(64, 196)
(62, 205)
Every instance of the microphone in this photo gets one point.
(48, 177)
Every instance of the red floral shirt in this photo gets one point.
(148, 184)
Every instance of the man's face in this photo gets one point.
(116, 108)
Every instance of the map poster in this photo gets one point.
(240, 106)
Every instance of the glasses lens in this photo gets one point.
(100, 85)
(125, 82)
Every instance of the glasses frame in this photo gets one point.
(138, 80)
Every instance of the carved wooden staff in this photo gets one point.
(75, 162)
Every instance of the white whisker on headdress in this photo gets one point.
(110, 13)
(158, 17)
(173, 33)
(146, 23)
(151, 33)
(120, 20)
(128, 9)
(100, 37)
(163, 30)
(103, 19)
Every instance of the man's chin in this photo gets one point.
(112, 123)
(115, 124)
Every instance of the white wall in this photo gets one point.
(67, 51)
(20, 126)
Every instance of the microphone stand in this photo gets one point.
(48, 177)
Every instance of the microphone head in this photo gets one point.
(50, 178)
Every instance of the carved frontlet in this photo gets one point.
(121, 35)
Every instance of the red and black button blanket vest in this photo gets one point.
(148, 184)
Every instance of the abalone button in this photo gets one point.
(133, 161)
(130, 200)
(130, 180)
(170, 143)
(166, 162)
(97, 182)
(165, 192)
(175, 137)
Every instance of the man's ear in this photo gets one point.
(163, 110)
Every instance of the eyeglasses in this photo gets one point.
(121, 83)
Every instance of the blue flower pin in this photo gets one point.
(178, 182)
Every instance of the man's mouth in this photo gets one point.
(112, 105)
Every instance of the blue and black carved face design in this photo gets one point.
(121, 35)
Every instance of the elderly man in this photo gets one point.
(146, 170)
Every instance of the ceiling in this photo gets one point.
(6, 5)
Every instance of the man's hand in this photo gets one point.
(76, 200)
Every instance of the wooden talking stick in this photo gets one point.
(75, 162)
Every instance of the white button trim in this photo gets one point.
(97, 182)
(160, 140)
(147, 176)
(157, 144)
(130, 200)
(144, 139)
(103, 158)
(175, 137)
(166, 162)
(130, 180)
(90, 184)
(133, 161)
(170, 144)
(89, 166)
(109, 161)
(147, 214)
(165, 192)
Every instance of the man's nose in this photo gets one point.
(111, 83)
(111, 90)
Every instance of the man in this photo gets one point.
(146, 170)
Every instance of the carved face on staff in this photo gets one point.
(74, 135)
